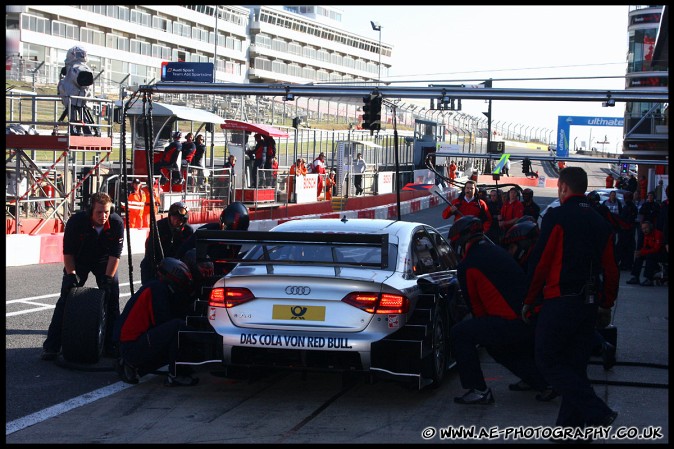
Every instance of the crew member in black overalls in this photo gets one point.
(172, 232)
(494, 286)
(233, 218)
(148, 328)
(92, 243)
(575, 247)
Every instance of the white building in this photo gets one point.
(127, 44)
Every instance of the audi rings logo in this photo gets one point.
(298, 290)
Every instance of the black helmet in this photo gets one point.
(200, 270)
(235, 217)
(523, 236)
(463, 230)
(176, 274)
(593, 197)
(528, 192)
(179, 209)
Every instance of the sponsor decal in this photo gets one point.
(294, 341)
(300, 313)
(393, 321)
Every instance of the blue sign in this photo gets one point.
(199, 72)
(564, 127)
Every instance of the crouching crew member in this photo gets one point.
(494, 286)
(148, 328)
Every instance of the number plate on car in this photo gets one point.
(306, 313)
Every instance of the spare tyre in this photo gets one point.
(83, 334)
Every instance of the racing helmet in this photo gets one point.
(235, 217)
(201, 271)
(520, 240)
(177, 275)
(593, 198)
(177, 135)
(464, 230)
(179, 209)
(527, 193)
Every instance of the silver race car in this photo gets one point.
(366, 295)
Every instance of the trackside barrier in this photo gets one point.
(22, 249)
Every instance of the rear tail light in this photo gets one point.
(381, 303)
(229, 297)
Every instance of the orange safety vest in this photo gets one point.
(148, 202)
(136, 204)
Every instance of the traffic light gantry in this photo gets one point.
(372, 112)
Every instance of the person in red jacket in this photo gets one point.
(467, 203)
(651, 252)
(609, 181)
(169, 161)
(511, 211)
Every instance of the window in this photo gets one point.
(309, 73)
(295, 49)
(161, 51)
(92, 36)
(117, 42)
(118, 12)
(263, 41)
(140, 17)
(279, 45)
(263, 64)
(33, 23)
(279, 66)
(309, 52)
(425, 257)
(323, 55)
(62, 29)
(295, 70)
(140, 48)
(181, 29)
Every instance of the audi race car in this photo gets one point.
(365, 295)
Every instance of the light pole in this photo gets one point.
(508, 131)
(376, 26)
(525, 133)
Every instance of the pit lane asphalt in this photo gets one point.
(318, 408)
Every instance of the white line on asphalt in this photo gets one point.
(71, 404)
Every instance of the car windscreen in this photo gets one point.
(321, 254)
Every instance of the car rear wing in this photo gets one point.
(296, 248)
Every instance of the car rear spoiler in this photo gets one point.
(206, 239)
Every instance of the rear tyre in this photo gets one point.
(83, 334)
(434, 365)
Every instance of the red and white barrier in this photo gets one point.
(23, 249)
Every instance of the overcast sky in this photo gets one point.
(455, 44)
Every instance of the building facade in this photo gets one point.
(257, 44)
(646, 124)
